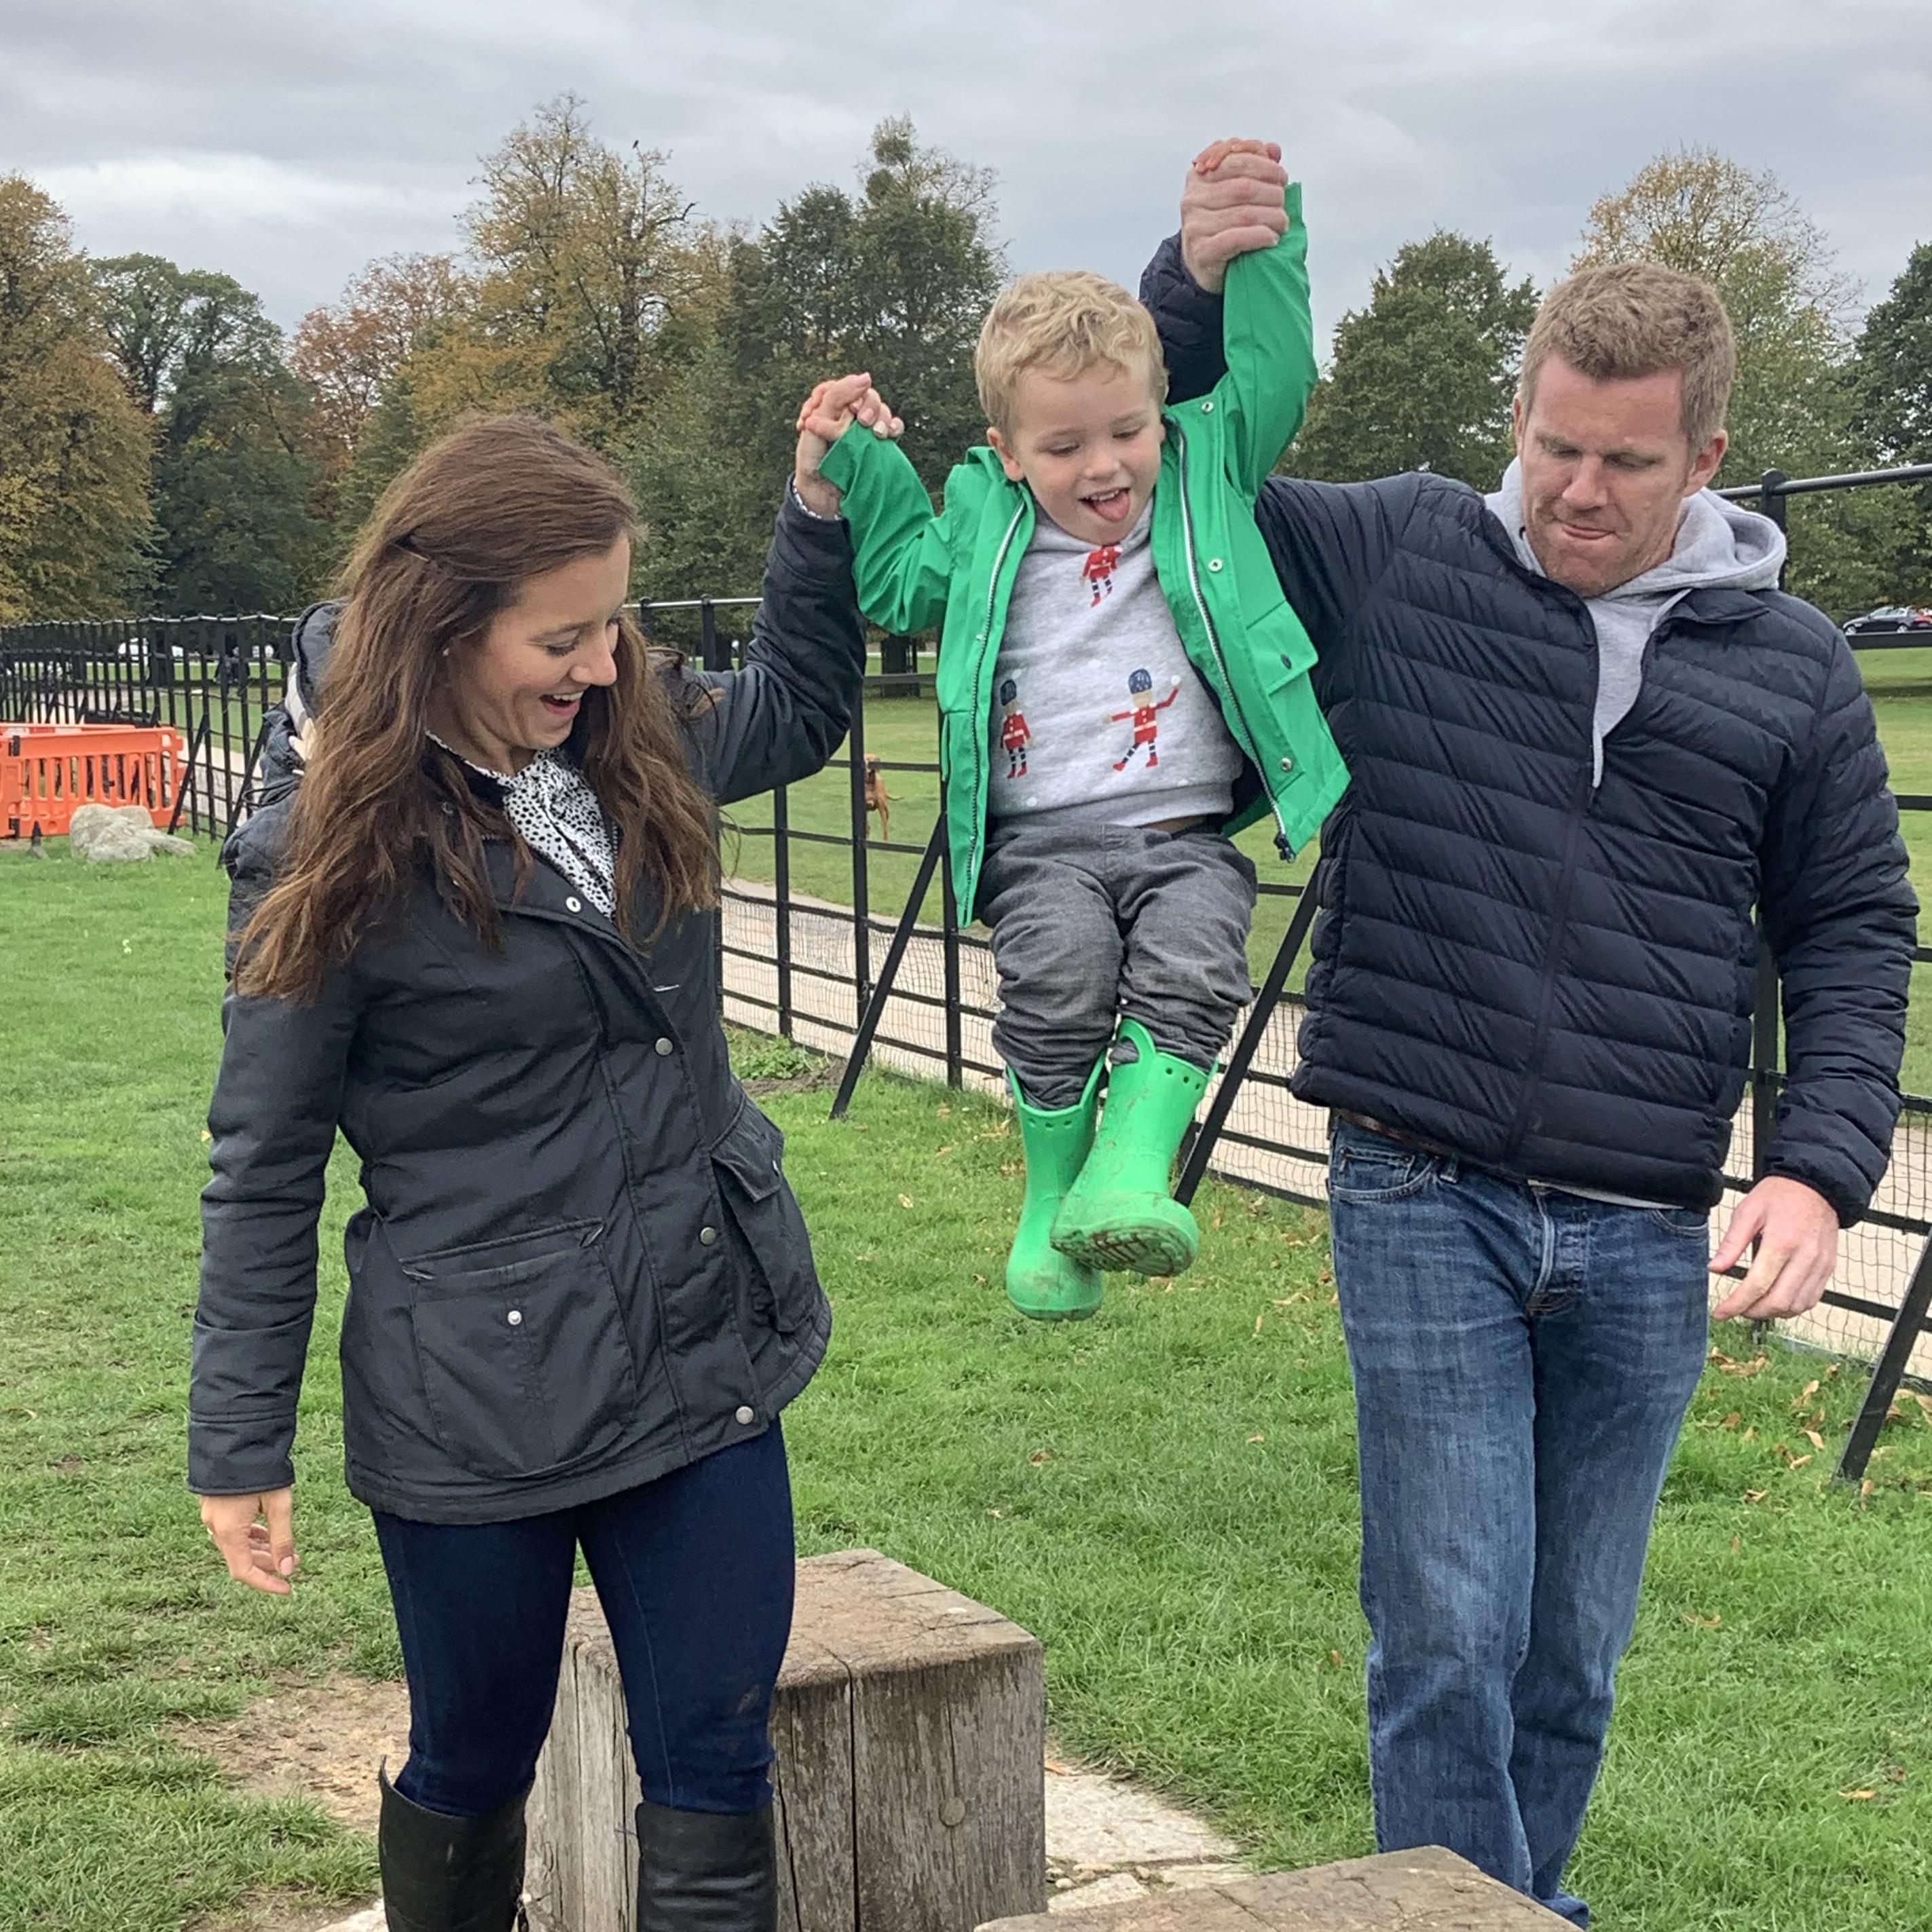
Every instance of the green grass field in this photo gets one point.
(1165, 1495)
(905, 729)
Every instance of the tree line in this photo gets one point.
(164, 447)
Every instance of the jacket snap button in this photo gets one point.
(574, 905)
(1214, 563)
(1207, 407)
(747, 1415)
(707, 1236)
(662, 1047)
(1288, 764)
(515, 1318)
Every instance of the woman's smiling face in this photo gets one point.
(518, 690)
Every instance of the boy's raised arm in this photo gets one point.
(1268, 334)
(849, 464)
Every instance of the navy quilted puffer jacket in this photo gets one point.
(1554, 978)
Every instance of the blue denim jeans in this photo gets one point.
(1523, 1361)
(694, 1572)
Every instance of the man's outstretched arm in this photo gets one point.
(1329, 542)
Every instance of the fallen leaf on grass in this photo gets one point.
(1040, 1456)
(1257, 1325)
(1696, 1622)
(905, 1200)
(1732, 1420)
(1859, 1796)
(1335, 1658)
(1812, 1436)
(1756, 1495)
(1255, 1438)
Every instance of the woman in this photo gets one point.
(480, 939)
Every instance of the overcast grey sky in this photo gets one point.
(286, 142)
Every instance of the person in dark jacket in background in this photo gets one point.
(1589, 737)
(477, 936)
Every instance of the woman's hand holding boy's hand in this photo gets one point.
(256, 1536)
(1231, 203)
(828, 412)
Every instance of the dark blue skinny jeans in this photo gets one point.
(1523, 1361)
(694, 1572)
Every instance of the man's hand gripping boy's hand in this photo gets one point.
(827, 413)
(1232, 203)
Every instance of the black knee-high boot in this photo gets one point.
(706, 1871)
(444, 1874)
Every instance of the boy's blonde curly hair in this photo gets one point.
(1062, 323)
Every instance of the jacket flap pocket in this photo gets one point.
(505, 1258)
(751, 1151)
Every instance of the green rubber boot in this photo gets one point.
(1041, 1281)
(1121, 1214)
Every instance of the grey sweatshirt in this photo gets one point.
(1099, 717)
(1719, 546)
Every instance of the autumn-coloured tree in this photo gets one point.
(74, 445)
(350, 351)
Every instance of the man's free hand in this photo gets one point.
(256, 1536)
(1230, 203)
(827, 414)
(1796, 1230)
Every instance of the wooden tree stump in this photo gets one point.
(1426, 1891)
(910, 1730)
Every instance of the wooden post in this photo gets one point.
(909, 1732)
(1426, 1891)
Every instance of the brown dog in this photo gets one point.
(877, 799)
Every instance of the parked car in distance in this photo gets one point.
(1890, 617)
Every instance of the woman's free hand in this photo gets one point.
(831, 409)
(256, 1536)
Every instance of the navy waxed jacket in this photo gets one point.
(579, 1265)
(1554, 978)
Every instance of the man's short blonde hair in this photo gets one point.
(1062, 323)
(1633, 319)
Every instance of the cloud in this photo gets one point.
(242, 193)
(289, 144)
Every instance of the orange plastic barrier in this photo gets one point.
(48, 771)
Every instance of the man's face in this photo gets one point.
(1088, 445)
(1606, 469)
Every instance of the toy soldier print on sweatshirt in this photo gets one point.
(1014, 736)
(1146, 724)
(1099, 570)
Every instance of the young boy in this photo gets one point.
(1120, 686)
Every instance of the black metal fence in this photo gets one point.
(851, 941)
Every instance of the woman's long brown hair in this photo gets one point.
(496, 502)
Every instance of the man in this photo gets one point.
(1588, 735)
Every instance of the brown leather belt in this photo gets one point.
(1414, 1142)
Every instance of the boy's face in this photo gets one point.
(1088, 445)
